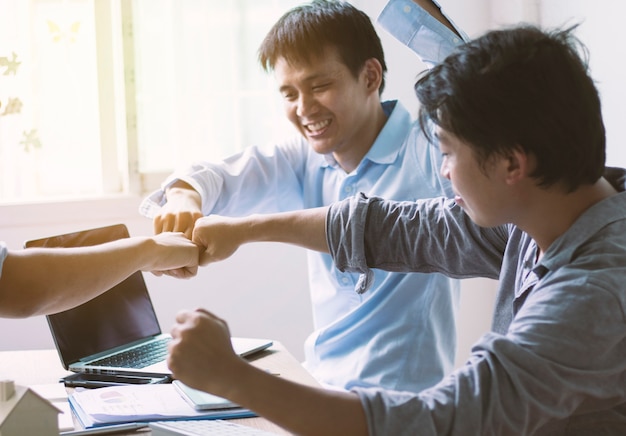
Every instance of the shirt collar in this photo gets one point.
(387, 144)
(598, 216)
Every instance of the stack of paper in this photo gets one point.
(141, 403)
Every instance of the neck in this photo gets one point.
(349, 157)
(552, 212)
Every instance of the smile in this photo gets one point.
(317, 128)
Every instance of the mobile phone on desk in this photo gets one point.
(88, 380)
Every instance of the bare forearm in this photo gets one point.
(304, 228)
(220, 237)
(299, 408)
(39, 281)
(42, 281)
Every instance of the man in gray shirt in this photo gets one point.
(519, 125)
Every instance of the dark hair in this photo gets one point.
(521, 87)
(307, 30)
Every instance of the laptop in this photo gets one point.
(118, 331)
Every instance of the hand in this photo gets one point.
(218, 236)
(179, 214)
(201, 354)
(175, 255)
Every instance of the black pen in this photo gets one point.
(107, 429)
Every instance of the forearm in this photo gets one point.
(220, 237)
(299, 408)
(304, 228)
(42, 281)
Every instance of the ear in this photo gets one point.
(519, 165)
(373, 74)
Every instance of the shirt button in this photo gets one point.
(345, 280)
(348, 189)
(407, 9)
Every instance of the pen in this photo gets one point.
(108, 429)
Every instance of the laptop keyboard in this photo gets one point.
(204, 428)
(138, 357)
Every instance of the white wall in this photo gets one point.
(254, 290)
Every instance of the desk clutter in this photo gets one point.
(40, 371)
(18, 404)
(146, 403)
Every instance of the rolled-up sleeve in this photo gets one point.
(369, 232)
(421, 32)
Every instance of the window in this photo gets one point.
(105, 97)
(49, 128)
(200, 90)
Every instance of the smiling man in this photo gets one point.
(329, 67)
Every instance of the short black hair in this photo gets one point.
(307, 30)
(522, 87)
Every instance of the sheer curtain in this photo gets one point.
(49, 131)
(94, 93)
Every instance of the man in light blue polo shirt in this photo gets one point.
(330, 79)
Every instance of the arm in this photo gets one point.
(555, 365)
(254, 181)
(201, 347)
(369, 232)
(435, 11)
(220, 237)
(426, 30)
(39, 281)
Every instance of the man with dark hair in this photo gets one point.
(304, 34)
(506, 109)
(329, 66)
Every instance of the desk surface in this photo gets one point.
(35, 367)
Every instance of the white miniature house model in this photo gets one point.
(25, 413)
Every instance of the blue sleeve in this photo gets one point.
(256, 180)
(418, 30)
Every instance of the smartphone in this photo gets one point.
(87, 380)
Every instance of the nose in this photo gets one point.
(444, 171)
(306, 105)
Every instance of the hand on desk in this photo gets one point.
(201, 345)
(201, 356)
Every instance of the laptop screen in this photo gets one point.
(117, 317)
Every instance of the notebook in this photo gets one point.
(118, 331)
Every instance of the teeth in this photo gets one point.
(318, 126)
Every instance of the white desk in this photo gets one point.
(35, 367)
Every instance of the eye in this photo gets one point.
(289, 95)
(320, 87)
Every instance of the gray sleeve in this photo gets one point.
(364, 233)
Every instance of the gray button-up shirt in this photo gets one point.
(555, 362)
